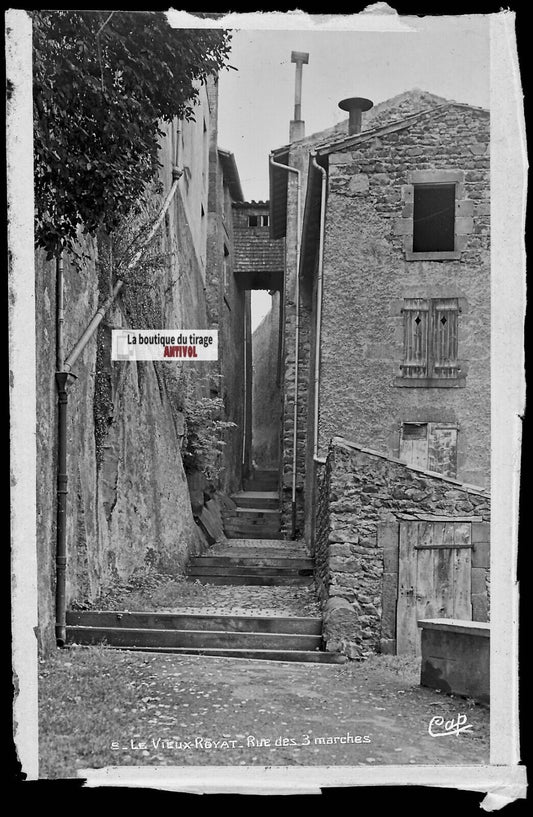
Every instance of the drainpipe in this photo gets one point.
(319, 290)
(62, 476)
(64, 371)
(296, 337)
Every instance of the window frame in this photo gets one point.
(463, 223)
(431, 344)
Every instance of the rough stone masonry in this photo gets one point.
(358, 490)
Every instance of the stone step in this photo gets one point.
(247, 532)
(268, 514)
(292, 563)
(247, 569)
(217, 639)
(265, 473)
(256, 521)
(261, 485)
(304, 656)
(191, 621)
(239, 578)
(281, 544)
(257, 499)
(263, 553)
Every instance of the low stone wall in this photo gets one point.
(357, 489)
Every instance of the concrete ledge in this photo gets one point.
(456, 657)
(455, 625)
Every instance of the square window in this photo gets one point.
(252, 221)
(434, 218)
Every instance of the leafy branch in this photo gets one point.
(103, 83)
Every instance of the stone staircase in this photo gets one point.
(254, 556)
(256, 587)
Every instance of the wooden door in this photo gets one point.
(434, 577)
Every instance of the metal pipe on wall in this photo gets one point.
(297, 172)
(319, 290)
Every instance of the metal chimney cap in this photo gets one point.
(356, 103)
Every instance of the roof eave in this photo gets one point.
(231, 173)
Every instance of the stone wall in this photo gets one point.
(357, 490)
(129, 505)
(266, 405)
(228, 311)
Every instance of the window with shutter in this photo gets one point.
(415, 338)
(430, 342)
(444, 345)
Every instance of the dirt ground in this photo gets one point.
(101, 707)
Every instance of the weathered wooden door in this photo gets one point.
(434, 577)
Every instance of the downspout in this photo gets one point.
(62, 475)
(64, 370)
(319, 289)
(296, 338)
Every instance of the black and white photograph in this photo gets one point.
(265, 402)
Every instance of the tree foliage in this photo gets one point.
(102, 85)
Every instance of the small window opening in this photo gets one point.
(252, 221)
(434, 218)
(264, 221)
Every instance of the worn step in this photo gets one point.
(247, 570)
(245, 534)
(276, 543)
(257, 499)
(305, 656)
(180, 621)
(261, 485)
(252, 522)
(262, 556)
(218, 639)
(254, 513)
(291, 563)
(240, 578)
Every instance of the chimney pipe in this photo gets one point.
(297, 125)
(355, 105)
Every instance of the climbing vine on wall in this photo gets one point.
(103, 82)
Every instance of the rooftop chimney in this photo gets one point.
(355, 105)
(297, 127)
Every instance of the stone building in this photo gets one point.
(386, 366)
(393, 287)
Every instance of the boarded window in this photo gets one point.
(430, 338)
(442, 449)
(414, 444)
(434, 218)
(432, 446)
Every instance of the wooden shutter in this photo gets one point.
(415, 314)
(414, 444)
(444, 337)
(442, 449)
